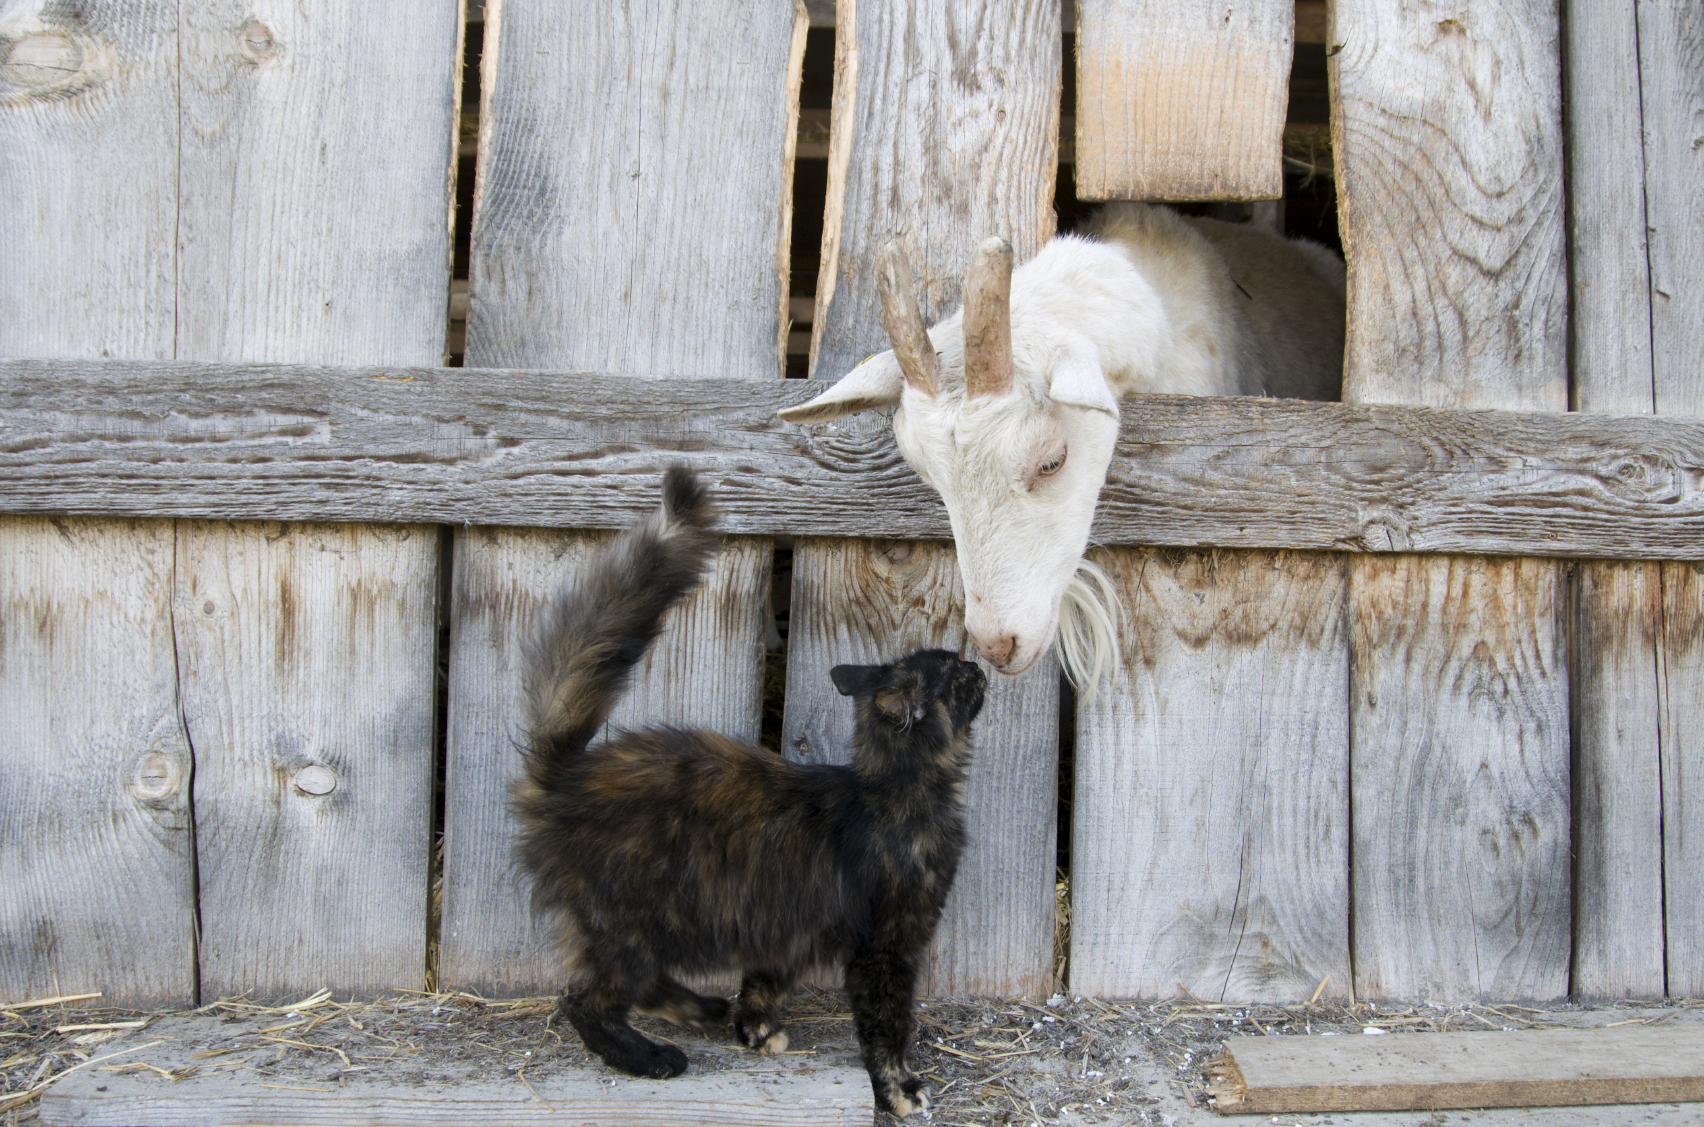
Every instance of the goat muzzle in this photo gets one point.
(988, 320)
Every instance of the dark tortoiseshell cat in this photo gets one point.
(677, 852)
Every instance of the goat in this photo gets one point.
(1008, 408)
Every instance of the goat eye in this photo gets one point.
(1051, 467)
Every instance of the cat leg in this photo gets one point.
(882, 985)
(669, 1000)
(598, 1008)
(757, 1018)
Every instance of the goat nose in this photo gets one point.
(999, 651)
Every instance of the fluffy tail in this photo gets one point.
(588, 640)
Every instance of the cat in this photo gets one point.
(681, 851)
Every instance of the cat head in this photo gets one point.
(905, 693)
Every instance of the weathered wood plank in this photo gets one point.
(307, 658)
(1681, 697)
(1448, 139)
(865, 602)
(1527, 1068)
(574, 450)
(99, 853)
(1448, 128)
(1671, 66)
(945, 131)
(320, 646)
(1616, 607)
(1182, 99)
(632, 213)
(491, 942)
(1211, 838)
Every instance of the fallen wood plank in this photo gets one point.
(1528, 1068)
(583, 450)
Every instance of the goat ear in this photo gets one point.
(1077, 379)
(875, 383)
(850, 678)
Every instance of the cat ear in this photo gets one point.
(850, 678)
(891, 702)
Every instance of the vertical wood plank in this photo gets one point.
(96, 843)
(1617, 608)
(307, 655)
(1182, 99)
(319, 647)
(1671, 66)
(98, 853)
(1448, 139)
(944, 131)
(1681, 681)
(1211, 837)
(633, 190)
(866, 602)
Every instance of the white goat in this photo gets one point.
(1009, 407)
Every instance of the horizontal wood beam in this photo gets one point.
(584, 450)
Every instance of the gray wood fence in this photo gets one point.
(1412, 684)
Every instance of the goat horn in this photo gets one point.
(988, 320)
(904, 321)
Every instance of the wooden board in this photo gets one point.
(491, 941)
(866, 602)
(1447, 133)
(98, 865)
(1527, 1068)
(565, 450)
(1448, 139)
(1182, 99)
(228, 1089)
(1671, 89)
(308, 657)
(944, 132)
(632, 213)
(320, 646)
(1680, 677)
(96, 766)
(1210, 844)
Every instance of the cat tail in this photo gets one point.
(590, 637)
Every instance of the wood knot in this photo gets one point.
(1384, 531)
(157, 777)
(315, 779)
(256, 42)
(49, 64)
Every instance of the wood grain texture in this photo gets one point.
(632, 172)
(98, 860)
(693, 676)
(567, 450)
(865, 602)
(1618, 814)
(634, 182)
(1671, 65)
(1182, 99)
(1523, 1068)
(321, 644)
(1681, 695)
(944, 132)
(1460, 803)
(951, 135)
(1447, 133)
(1610, 314)
(309, 646)
(1210, 844)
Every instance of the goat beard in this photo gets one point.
(1089, 621)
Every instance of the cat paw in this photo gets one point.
(654, 1062)
(901, 1095)
(761, 1036)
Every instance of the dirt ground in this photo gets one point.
(1068, 1061)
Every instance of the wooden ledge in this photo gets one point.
(584, 450)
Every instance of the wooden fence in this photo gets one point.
(1413, 684)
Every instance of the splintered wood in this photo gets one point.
(1528, 1068)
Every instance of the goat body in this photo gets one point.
(1009, 407)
